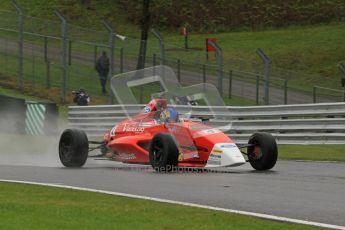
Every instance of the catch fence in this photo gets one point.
(57, 56)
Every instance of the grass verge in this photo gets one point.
(312, 152)
(38, 207)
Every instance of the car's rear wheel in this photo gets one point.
(263, 152)
(163, 153)
(73, 148)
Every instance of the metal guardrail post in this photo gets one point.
(219, 57)
(267, 67)
(20, 77)
(63, 55)
(230, 83)
(111, 56)
(161, 46)
(314, 94)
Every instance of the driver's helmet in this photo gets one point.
(157, 104)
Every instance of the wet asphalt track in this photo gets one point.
(302, 190)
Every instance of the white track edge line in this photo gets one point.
(254, 214)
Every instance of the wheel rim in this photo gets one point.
(256, 152)
(65, 148)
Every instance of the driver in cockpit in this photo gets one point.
(163, 113)
(167, 115)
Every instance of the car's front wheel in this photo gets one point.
(263, 151)
(73, 148)
(163, 153)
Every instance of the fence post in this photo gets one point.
(111, 47)
(48, 73)
(20, 77)
(257, 89)
(45, 49)
(285, 91)
(219, 57)
(341, 66)
(314, 94)
(33, 72)
(230, 83)
(179, 70)
(95, 48)
(204, 73)
(154, 62)
(121, 60)
(63, 55)
(266, 61)
(69, 52)
(161, 46)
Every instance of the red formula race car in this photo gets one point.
(170, 132)
(160, 137)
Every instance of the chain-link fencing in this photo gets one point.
(55, 56)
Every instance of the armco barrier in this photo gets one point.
(322, 123)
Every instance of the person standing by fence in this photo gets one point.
(102, 67)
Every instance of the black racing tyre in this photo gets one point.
(73, 148)
(163, 152)
(264, 152)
